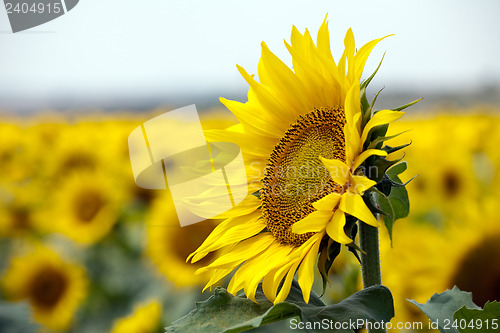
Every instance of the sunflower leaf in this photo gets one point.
(223, 312)
(441, 307)
(478, 321)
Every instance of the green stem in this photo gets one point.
(370, 262)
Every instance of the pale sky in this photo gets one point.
(159, 47)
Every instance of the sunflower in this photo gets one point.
(84, 208)
(54, 288)
(168, 244)
(145, 319)
(463, 254)
(305, 138)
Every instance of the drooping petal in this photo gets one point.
(335, 228)
(306, 268)
(359, 184)
(285, 288)
(339, 171)
(354, 205)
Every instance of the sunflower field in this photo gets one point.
(83, 249)
(351, 218)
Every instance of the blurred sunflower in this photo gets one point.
(168, 244)
(17, 211)
(451, 177)
(54, 288)
(146, 318)
(464, 254)
(84, 208)
(303, 136)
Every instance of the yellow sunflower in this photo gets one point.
(463, 254)
(303, 134)
(168, 244)
(54, 288)
(146, 318)
(84, 208)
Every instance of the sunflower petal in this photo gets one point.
(364, 155)
(314, 222)
(354, 205)
(359, 184)
(339, 171)
(335, 228)
(306, 269)
(285, 288)
(328, 202)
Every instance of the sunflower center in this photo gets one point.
(47, 287)
(479, 272)
(88, 204)
(295, 176)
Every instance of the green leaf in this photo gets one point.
(224, 312)
(400, 202)
(478, 321)
(397, 169)
(380, 139)
(441, 307)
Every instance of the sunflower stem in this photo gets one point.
(370, 260)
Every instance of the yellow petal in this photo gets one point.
(354, 205)
(362, 55)
(285, 288)
(339, 171)
(306, 270)
(380, 118)
(335, 228)
(328, 202)
(242, 251)
(359, 184)
(217, 274)
(314, 222)
(364, 155)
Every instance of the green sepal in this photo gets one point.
(366, 107)
(381, 164)
(402, 107)
(385, 205)
(367, 114)
(391, 150)
(373, 144)
(370, 201)
(366, 82)
(353, 247)
(375, 133)
(329, 252)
